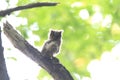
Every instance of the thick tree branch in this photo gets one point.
(52, 66)
(3, 70)
(32, 5)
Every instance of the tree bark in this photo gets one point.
(28, 6)
(3, 69)
(52, 66)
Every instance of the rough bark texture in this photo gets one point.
(52, 66)
(3, 70)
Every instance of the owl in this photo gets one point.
(52, 45)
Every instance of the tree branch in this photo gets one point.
(52, 66)
(3, 70)
(32, 5)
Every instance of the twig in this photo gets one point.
(32, 5)
(52, 66)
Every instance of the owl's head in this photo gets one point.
(55, 34)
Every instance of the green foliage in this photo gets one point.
(83, 39)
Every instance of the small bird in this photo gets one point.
(52, 45)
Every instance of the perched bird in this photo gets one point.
(52, 45)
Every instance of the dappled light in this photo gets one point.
(91, 37)
(107, 67)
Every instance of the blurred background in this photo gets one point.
(91, 37)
